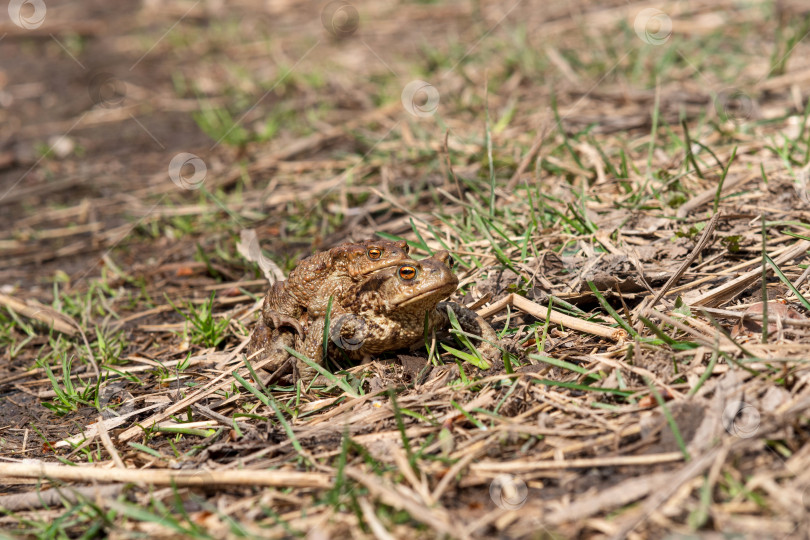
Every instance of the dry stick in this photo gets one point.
(660, 496)
(167, 477)
(43, 314)
(801, 278)
(619, 364)
(91, 430)
(736, 286)
(374, 523)
(703, 339)
(709, 194)
(401, 461)
(284, 369)
(591, 443)
(108, 444)
(213, 386)
(605, 500)
(470, 454)
(167, 307)
(56, 320)
(436, 519)
(692, 285)
(744, 316)
(540, 312)
(614, 461)
(701, 244)
(55, 497)
(221, 419)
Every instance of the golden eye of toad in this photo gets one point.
(407, 272)
(374, 253)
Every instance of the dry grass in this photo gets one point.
(628, 209)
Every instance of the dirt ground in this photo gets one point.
(638, 170)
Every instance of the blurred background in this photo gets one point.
(137, 126)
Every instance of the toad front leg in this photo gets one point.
(310, 346)
(276, 306)
(472, 323)
(269, 343)
(347, 332)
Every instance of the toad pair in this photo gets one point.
(381, 299)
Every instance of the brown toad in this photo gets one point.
(330, 273)
(387, 311)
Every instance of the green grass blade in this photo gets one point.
(337, 381)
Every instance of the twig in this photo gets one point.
(729, 290)
(108, 444)
(167, 477)
(614, 461)
(701, 244)
(435, 518)
(222, 381)
(667, 490)
(709, 194)
(43, 314)
(540, 312)
(213, 415)
(51, 497)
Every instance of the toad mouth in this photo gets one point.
(428, 292)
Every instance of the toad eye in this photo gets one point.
(374, 253)
(407, 272)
